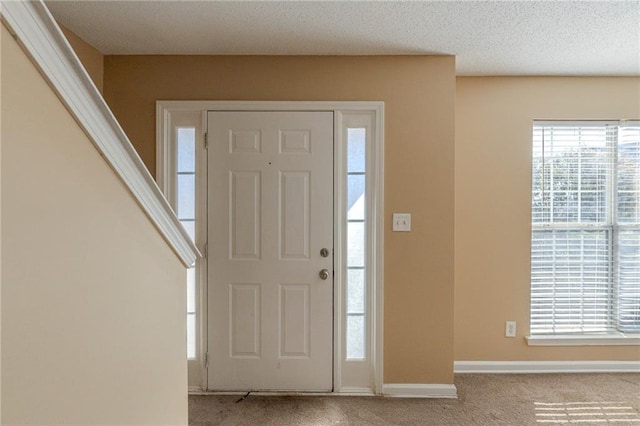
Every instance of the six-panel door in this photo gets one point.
(270, 202)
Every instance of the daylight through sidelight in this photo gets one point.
(356, 243)
(186, 201)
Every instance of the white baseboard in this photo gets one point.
(519, 367)
(419, 390)
(355, 391)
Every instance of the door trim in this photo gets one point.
(341, 110)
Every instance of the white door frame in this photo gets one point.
(343, 112)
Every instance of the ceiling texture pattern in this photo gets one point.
(581, 38)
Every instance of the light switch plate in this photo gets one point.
(402, 222)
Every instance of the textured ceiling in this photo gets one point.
(487, 37)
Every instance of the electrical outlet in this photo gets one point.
(510, 329)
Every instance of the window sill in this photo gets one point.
(613, 339)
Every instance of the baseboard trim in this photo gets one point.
(276, 393)
(419, 390)
(352, 390)
(521, 367)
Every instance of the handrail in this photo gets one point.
(40, 36)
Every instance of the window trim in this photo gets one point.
(605, 339)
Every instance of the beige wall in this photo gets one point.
(90, 57)
(419, 96)
(493, 204)
(93, 303)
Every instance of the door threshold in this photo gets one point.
(280, 393)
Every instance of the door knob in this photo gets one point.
(324, 274)
(324, 252)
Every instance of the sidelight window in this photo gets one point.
(185, 208)
(356, 243)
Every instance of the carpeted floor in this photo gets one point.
(497, 399)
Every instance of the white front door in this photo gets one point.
(270, 203)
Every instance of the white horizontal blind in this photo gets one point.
(572, 272)
(628, 229)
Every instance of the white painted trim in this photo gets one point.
(165, 108)
(585, 340)
(41, 37)
(196, 392)
(202, 322)
(272, 105)
(419, 390)
(355, 391)
(339, 209)
(521, 367)
(377, 276)
(163, 146)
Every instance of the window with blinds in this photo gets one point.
(585, 239)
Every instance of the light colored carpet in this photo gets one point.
(496, 399)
